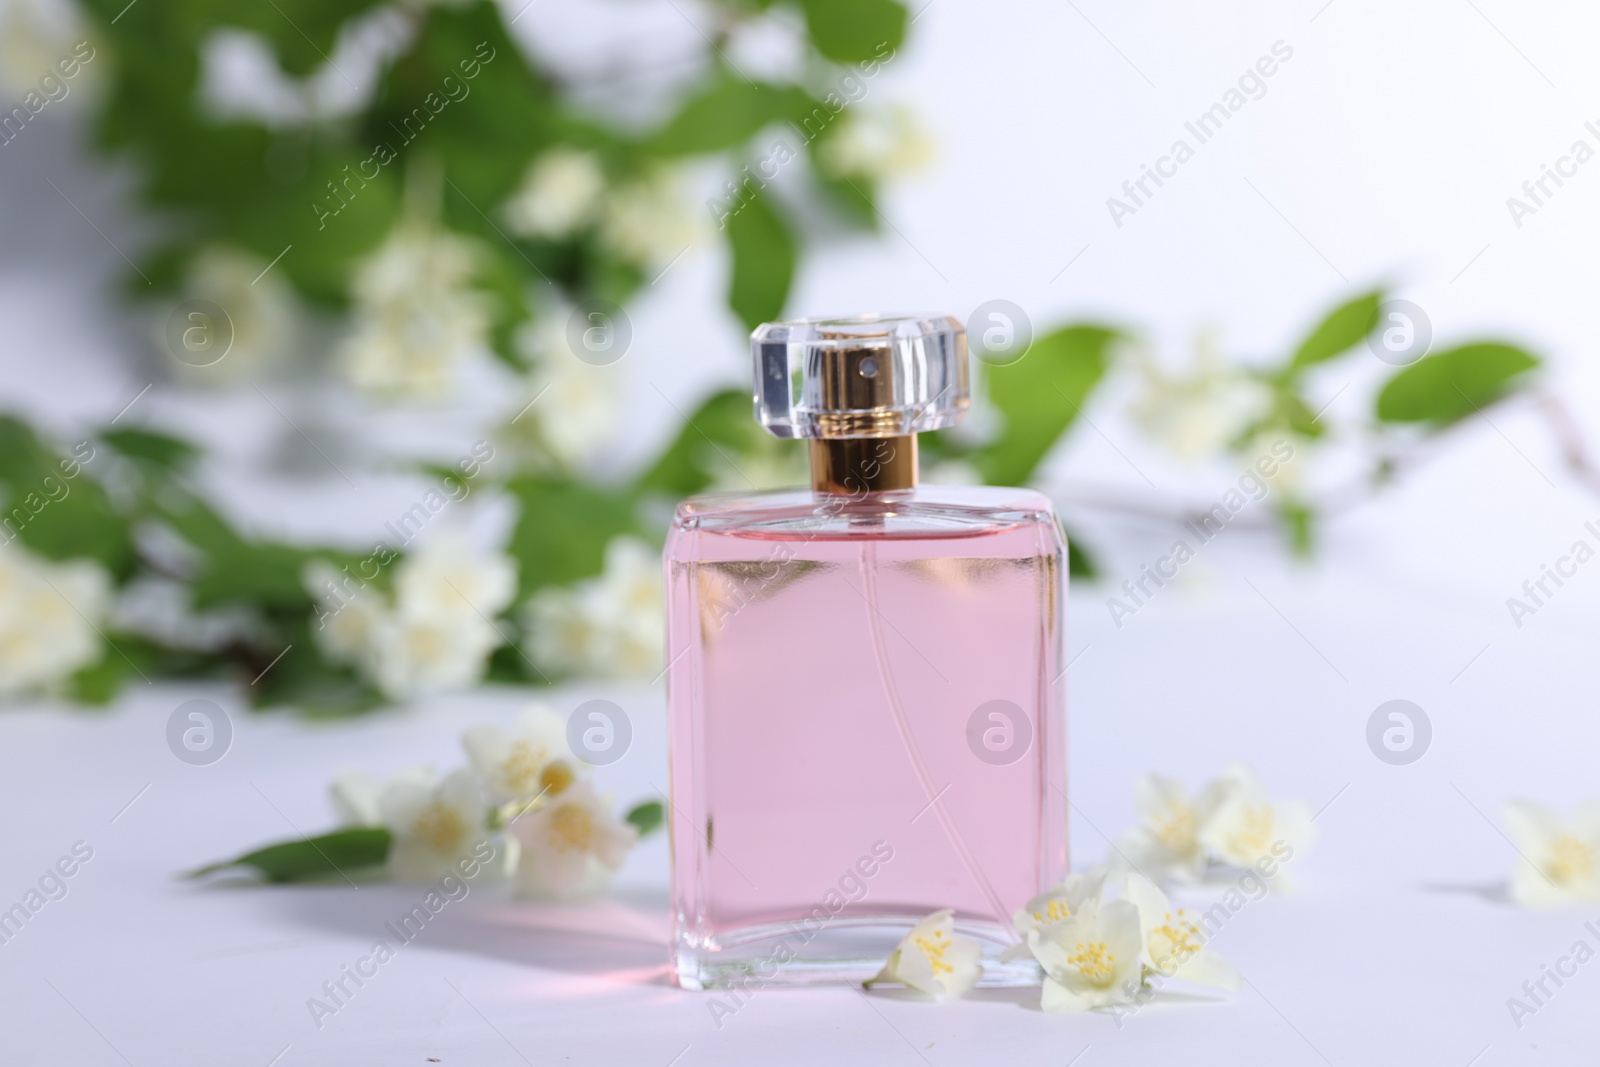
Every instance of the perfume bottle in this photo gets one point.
(864, 682)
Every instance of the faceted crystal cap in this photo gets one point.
(862, 376)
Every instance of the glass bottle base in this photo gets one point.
(846, 952)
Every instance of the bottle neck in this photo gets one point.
(856, 466)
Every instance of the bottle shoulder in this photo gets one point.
(927, 511)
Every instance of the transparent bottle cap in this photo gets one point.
(861, 376)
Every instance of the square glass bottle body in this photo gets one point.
(866, 724)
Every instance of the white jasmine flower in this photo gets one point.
(767, 468)
(48, 617)
(875, 143)
(1201, 412)
(416, 317)
(1561, 856)
(356, 795)
(411, 656)
(433, 826)
(1167, 841)
(954, 472)
(435, 634)
(559, 195)
(1288, 475)
(260, 309)
(1091, 958)
(579, 405)
(447, 578)
(529, 761)
(1246, 828)
(1055, 905)
(348, 612)
(933, 960)
(610, 626)
(571, 846)
(1174, 940)
(647, 221)
(34, 34)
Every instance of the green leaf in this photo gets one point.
(1080, 564)
(1288, 412)
(1039, 397)
(715, 435)
(855, 197)
(100, 682)
(53, 506)
(646, 817)
(764, 254)
(161, 450)
(236, 570)
(728, 113)
(1296, 414)
(1345, 327)
(855, 31)
(469, 96)
(333, 854)
(1450, 385)
(1299, 524)
(265, 574)
(293, 673)
(563, 529)
(302, 33)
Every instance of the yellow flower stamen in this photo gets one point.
(934, 949)
(571, 828)
(522, 766)
(1255, 836)
(1182, 940)
(1054, 911)
(440, 826)
(1571, 860)
(1174, 828)
(556, 777)
(1094, 961)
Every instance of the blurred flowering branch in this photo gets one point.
(402, 188)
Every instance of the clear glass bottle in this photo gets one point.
(864, 691)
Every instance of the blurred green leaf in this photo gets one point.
(713, 437)
(302, 679)
(101, 681)
(1450, 385)
(234, 569)
(1294, 413)
(646, 817)
(1345, 327)
(764, 254)
(563, 529)
(53, 506)
(854, 31)
(1298, 522)
(855, 197)
(1288, 412)
(338, 853)
(1080, 564)
(725, 114)
(162, 450)
(470, 97)
(1039, 397)
(302, 33)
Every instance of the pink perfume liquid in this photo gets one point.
(866, 726)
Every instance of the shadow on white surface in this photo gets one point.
(623, 936)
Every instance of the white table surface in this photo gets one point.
(1398, 948)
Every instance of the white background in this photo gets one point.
(1383, 151)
